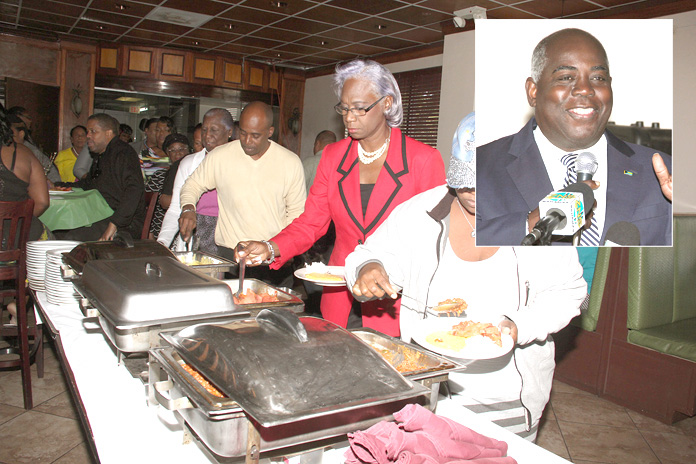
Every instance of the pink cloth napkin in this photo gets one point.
(422, 437)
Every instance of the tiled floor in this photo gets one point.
(577, 426)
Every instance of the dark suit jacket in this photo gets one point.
(511, 179)
(410, 168)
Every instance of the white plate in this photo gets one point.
(474, 351)
(338, 271)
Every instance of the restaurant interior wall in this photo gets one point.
(320, 99)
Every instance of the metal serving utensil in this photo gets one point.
(242, 268)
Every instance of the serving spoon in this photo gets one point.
(242, 268)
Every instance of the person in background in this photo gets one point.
(65, 161)
(176, 146)
(260, 189)
(570, 89)
(165, 126)
(144, 146)
(197, 138)
(216, 130)
(125, 133)
(21, 174)
(116, 174)
(21, 177)
(426, 250)
(310, 164)
(359, 181)
(21, 123)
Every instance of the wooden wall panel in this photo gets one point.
(78, 71)
(30, 60)
(292, 97)
(108, 59)
(140, 61)
(232, 73)
(204, 69)
(172, 65)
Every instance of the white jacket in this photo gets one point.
(170, 223)
(409, 245)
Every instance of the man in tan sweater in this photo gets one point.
(260, 187)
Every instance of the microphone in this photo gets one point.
(622, 234)
(562, 212)
(586, 165)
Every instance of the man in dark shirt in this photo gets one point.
(116, 174)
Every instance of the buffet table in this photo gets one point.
(120, 425)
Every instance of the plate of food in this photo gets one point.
(321, 274)
(463, 338)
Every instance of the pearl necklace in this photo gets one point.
(473, 229)
(367, 157)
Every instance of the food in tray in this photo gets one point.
(62, 189)
(464, 334)
(191, 260)
(404, 360)
(325, 277)
(251, 297)
(451, 306)
(210, 388)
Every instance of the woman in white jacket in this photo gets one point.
(427, 248)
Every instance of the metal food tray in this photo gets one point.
(288, 298)
(207, 263)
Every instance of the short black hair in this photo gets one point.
(150, 122)
(125, 128)
(106, 122)
(170, 123)
(79, 126)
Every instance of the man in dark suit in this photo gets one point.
(570, 89)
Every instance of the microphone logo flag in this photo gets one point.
(571, 205)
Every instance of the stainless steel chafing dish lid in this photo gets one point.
(121, 247)
(140, 292)
(281, 369)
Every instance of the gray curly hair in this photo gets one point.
(381, 80)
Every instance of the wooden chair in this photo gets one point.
(151, 203)
(15, 221)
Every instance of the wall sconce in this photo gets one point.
(294, 123)
(474, 12)
(76, 102)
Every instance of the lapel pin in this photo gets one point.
(628, 173)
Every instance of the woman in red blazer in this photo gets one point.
(359, 181)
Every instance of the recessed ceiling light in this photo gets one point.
(324, 42)
(100, 27)
(120, 6)
(195, 42)
(380, 26)
(279, 4)
(229, 27)
(278, 55)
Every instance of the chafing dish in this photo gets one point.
(121, 247)
(286, 382)
(137, 298)
(205, 262)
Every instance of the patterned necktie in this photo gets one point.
(589, 237)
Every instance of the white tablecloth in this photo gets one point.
(124, 427)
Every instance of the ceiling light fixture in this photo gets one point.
(474, 12)
(324, 42)
(195, 42)
(120, 6)
(100, 27)
(279, 4)
(229, 27)
(379, 27)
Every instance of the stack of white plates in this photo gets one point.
(58, 291)
(36, 259)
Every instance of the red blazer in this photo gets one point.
(411, 167)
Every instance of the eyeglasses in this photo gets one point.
(343, 111)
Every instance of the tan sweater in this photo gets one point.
(257, 198)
